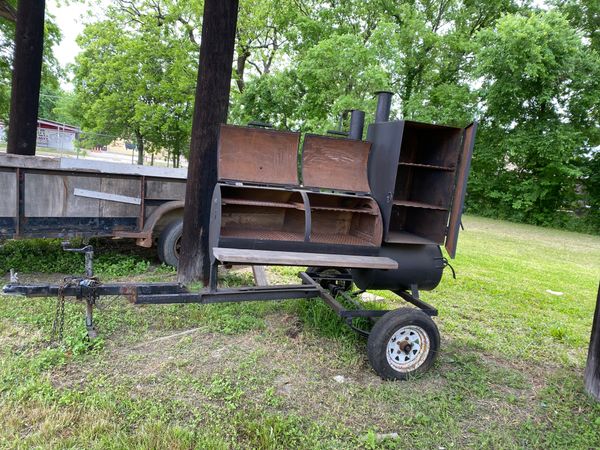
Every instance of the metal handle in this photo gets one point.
(88, 251)
(257, 124)
(66, 246)
(337, 133)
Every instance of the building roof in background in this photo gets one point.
(45, 123)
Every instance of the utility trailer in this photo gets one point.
(45, 197)
(370, 214)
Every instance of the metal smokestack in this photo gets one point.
(384, 103)
(357, 124)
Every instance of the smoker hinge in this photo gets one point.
(231, 182)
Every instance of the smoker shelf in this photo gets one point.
(352, 210)
(263, 235)
(403, 237)
(237, 201)
(257, 215)
(418, 205)
(426, 166)
(341, 239)
(242, 256)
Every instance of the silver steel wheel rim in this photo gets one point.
(408, 348)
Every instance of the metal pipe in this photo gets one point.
(384, 104)
(357, 124)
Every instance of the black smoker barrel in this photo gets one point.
(384, 104)
(420, 265)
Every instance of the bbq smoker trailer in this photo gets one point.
(369, 213)
(46, 197)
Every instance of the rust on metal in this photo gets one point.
(255, 213)
(258, 156)
(338, 164)
(130, 291)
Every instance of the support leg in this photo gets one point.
(414, 289)
(89, 319)
(260, 276)
(214, 276)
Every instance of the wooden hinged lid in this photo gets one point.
(258, 156)
(337, 164)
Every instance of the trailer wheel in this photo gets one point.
(403, 343)
(169, 243)
(342, 285)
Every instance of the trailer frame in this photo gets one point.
(90, 289)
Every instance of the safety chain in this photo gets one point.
(89, 283)
(59, 313)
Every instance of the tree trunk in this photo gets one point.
(210, 110)
(140, 147)
(26, 77)
(243, 56)
(592, 370)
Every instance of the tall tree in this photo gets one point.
(135, 77)
(540, 85)
(27, 76)
(210, 110)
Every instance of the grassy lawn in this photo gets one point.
(261, 375)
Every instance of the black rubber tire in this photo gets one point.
(383, 331)
(344, 286)
(169, 241)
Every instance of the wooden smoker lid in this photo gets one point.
(257, 155)
(335, 163)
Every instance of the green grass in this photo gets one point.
(261, 375)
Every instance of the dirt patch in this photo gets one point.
(284, 367)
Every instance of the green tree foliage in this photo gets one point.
(135, 76)
(539, 88)
(532, 76)
(341, 52)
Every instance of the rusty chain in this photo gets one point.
(59, 313)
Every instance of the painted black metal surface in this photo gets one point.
(169, 293)
(357, 124)
(384, 105)
(420, 265)
(78, 288)
(386, 139)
